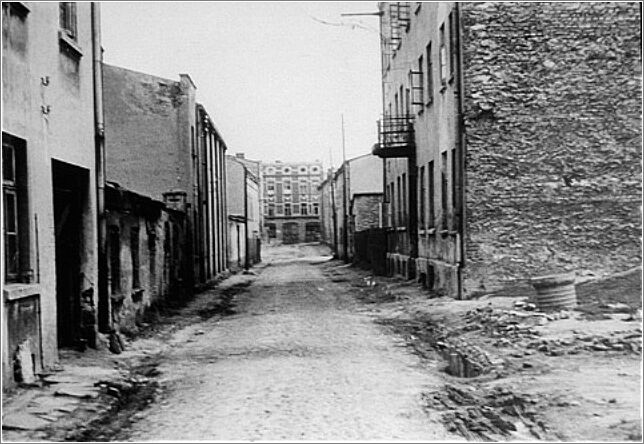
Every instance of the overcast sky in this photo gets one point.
(274, 78)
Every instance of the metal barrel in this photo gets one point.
(555, 292)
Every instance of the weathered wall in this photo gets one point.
(365, 211)
(327, 228)
(145, 121)
(365, 175)
(40, 72)
(235, 186)
(552, 115)
(161, 255)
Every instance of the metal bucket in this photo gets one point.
(555, 291)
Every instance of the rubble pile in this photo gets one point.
(509, 324)
(465, 360)
(630, 342)
(486, 416)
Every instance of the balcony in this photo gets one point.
(395, 137)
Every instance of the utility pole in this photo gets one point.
(345, 236)
(334, 209)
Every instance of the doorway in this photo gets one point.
(70, 190)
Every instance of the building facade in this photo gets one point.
(327, 211)
(50, 127)
(159, 140)
(146, 255)
(290, 201)
(511, 134)
(242, 189)
(350, 202)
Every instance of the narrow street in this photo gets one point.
(298, 361)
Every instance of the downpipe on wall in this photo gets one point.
(104, 321)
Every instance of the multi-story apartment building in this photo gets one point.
(51, 137)
(511, 133)
(161, 143)
(290, 201)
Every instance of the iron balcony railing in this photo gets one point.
(395, 137)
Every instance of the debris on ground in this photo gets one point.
(503, 338)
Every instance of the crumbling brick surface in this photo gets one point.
(553, 131)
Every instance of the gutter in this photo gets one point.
(104, 309)
(462, 147)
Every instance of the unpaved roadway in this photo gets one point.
(298, 361)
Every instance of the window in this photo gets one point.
(68, 19)
(430, 194)
(287, 186)
(303, 170)
(421, 197)
(316, 209)
(455, 194)
(270, 186)
(134, 252)
(305, 209)
(296, 209)
(421, 82)
(115, 259)
(314, 169)
(16, 214)
(430, 75)
(286, 170)
(453, 29)
(271, 210)
(270, 170)
(444, 190)
(404, 199)
(397, 104)
(279, 209)
(443, 56)
(392, 205)
(303, 188)
(399, 202)
(287, 209)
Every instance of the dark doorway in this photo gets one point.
(290, 233)
(70, 189)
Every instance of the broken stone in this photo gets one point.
(77, 393)
(22, 421)
(24, 363)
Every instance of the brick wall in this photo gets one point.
(365, 211)
(552, 116)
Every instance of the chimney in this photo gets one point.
(240, 155)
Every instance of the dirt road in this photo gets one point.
(298, 361)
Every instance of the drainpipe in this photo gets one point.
(462, 147)
(104, 318)
(246, 258)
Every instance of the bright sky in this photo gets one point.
(274, 78)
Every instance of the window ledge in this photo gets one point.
(69, 45)
(12, 292)
(401, 228)
(427, 232)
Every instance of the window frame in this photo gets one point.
(430, 74)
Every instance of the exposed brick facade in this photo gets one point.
(540, 170)
(365, 211)
(553, 127)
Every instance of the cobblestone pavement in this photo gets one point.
(299, 361)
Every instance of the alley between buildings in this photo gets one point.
(298, 361)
